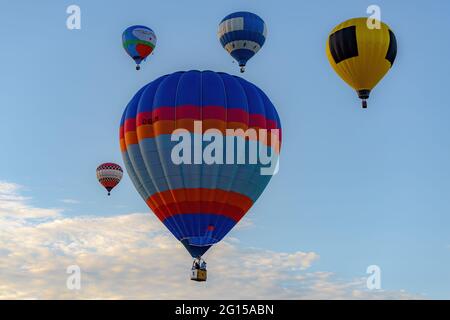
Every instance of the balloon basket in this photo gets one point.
(364, 104)
(198, 275)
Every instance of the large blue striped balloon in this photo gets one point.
(199, 202)
(242, 34)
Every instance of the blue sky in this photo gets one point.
(357, 187)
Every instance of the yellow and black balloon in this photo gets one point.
(360, 55)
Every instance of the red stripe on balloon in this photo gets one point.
(203, 113)
(197, 207)
(130, 125)
(199, 200)
(121, 132)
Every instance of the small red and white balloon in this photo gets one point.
(109, 175)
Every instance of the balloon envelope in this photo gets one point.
(139, 42)
(361, 56)
(242, 34)
(109, 175)
(198, 202)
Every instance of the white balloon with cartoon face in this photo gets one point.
(145, 35)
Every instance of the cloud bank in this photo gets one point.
(132, 256)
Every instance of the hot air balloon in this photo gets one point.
(139, 42)
(242, 34)
(198, 202)
(361, 56)
(109, 175)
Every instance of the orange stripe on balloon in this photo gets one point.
(164, 127)
(123, 145)
(145, 132)
(131, 138)
(169, 126)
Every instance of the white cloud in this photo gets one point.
(13, 205)
(70, 201)
(133, 257)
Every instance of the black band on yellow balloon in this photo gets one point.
(343, 44)
(392, 50)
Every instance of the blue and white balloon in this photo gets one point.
(242, 34)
